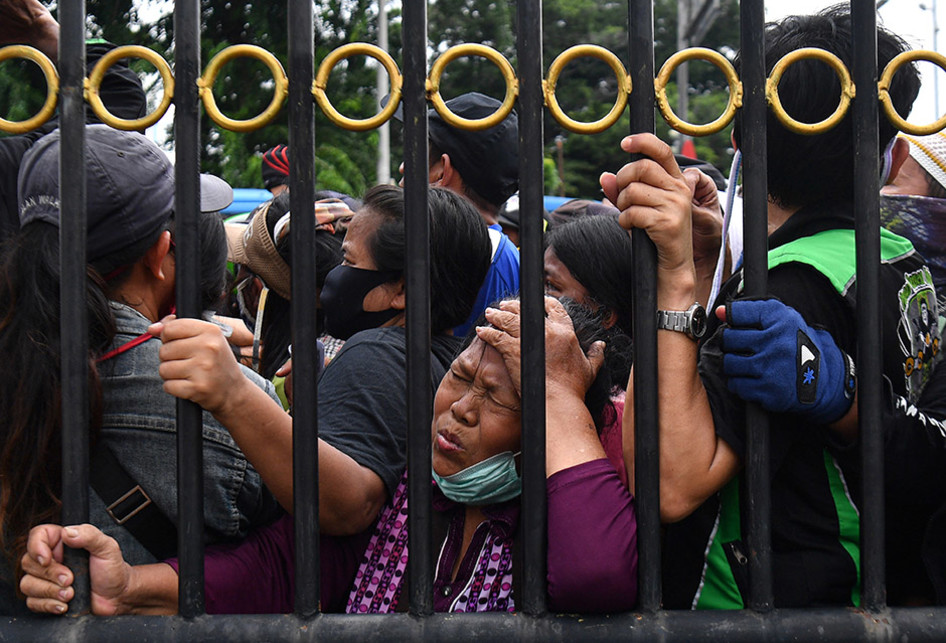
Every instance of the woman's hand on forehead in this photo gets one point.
(503, 335)
(566, 365)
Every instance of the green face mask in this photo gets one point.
(487, 482)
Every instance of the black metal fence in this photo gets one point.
(874, 621)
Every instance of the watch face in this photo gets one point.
(697, 321)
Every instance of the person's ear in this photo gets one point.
(898, 155)
(156, 254)
(398, 295)
(610, 320)
(435, 172)
(451, 179)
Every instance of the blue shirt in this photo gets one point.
(502, 280)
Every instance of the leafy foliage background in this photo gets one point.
(346, 161)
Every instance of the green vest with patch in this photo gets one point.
(830, 252)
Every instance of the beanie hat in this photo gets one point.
(275, 169)
(930, 153)
(255, 244)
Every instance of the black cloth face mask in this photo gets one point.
(343, 296)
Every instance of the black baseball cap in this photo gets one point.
(129, 191)
(488, 160)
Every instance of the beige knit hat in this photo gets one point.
(253, 244)
(930, 153)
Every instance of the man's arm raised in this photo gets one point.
(654, 196)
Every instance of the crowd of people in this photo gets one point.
(791, 352)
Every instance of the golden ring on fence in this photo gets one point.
(94, 83)
(883, 91)
(325, 70)
(470, 49)
(206, 84)
(52, 88)
(555, 70)
(735, 91)
(847, 90)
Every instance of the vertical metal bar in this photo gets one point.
(190, 487)
(73, 323)
(646, 469)
(417, 229)
(534, 499)
(305, 447)
(755, 206)
(869, 360)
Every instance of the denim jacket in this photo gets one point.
(138, 424)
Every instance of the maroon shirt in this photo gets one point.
(592, 553)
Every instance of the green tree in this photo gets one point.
(346, 160)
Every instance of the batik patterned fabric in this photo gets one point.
(378, 580)
(490, 589)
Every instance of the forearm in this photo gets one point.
(263, 431)
(705, 271)
(350, 495)
(570, 434)
(694, 462)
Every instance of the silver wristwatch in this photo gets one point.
(691, 321)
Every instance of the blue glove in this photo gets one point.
(773, 358)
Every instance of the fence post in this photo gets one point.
(190, 460)
(305, 447)
(646, 427)
(420, 541)
(755, 200)
(534, 499)
(869, 359)
(73, 322)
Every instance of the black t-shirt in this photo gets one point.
(363, 398)
(815, 486)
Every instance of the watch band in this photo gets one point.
(691, 322)
(673, 320)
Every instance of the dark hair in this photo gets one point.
(277, 317)
(590, 329)
(328, 247)
(276, 334)
(805, 169)
(433, 155)
(31, 385)
(597, 252)
(460, 249)
(213, 258)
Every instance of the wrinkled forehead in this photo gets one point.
(483, 364)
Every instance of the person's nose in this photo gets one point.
(466, 409)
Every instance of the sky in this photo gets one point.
(907, 19)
